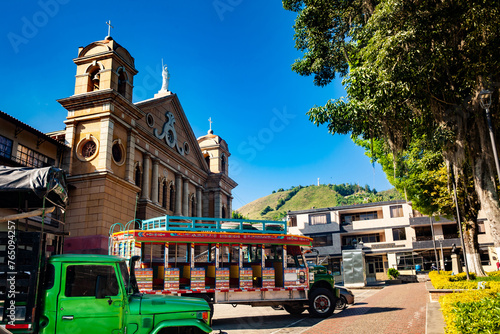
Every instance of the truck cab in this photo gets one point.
(82, 293)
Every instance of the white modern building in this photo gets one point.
(391, 234)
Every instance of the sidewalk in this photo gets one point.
(394, 310)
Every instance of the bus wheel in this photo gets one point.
(294, 309)
(321, 303)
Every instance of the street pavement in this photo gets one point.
(396, 309)
(264, 320)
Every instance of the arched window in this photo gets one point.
(164, 191)
(207, 159)
(193, 206)
(223, 212)
(223, 164)
(172, 198)
(94, 78)
(138, 177)
(122, 81)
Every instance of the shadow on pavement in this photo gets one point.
(365, 310)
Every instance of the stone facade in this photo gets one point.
(132, 160)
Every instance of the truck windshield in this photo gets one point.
(129, 287)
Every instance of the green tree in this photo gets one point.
(237, 215)
(411, 69)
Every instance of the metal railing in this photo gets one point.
(203, 224)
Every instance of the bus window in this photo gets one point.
(152, 253)
(177, 253)
(201, 254)
(228, 254)
(252, 253)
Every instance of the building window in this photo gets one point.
(30, 158)
(118, 152)
(408, 261)
(206, 156)
(480, 227)
(122, 81)
(5, 147)
(321, 240)
(423, 233)
(164, 192)
(186, 148)
(223, 164)
(150, 120)
(94, 78)
(398, 234)
(375, 264)
(87, 148)
(292, 221)
(396, 211)
(318, 219)
(450, 231)
(353, 240)
(485, 258)
(138, 175)
(193, 206)
(172, 198)
(351, 217)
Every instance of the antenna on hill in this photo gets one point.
(318, 181)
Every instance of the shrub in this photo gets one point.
(266, 210)
(461, 277)
(471, 312)
(393, 273)
(493, 274)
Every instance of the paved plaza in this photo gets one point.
(394, 310)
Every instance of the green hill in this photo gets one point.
(275, 206)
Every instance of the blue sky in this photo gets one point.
(228, 59)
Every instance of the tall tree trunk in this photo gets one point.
(472, 248)
(484, 182)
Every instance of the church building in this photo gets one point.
(133, 160)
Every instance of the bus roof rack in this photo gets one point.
(205, 224)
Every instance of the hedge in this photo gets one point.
(472, 311)
(446, 281)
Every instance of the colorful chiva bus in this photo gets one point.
(231, 261)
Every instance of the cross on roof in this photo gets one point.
(109, 27)
(210, 121)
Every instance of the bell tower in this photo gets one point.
(105, 65)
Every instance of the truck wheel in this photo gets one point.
(321, 303)
(294, 309)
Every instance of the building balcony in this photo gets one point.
(426, 242)
(418, 221)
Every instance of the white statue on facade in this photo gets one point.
(166, 79)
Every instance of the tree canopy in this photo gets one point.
(412, 71)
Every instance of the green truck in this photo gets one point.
(74, 294)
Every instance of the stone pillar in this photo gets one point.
(69, 137)
(455, 264)
(178, 195)
(129, 163)
(106, 142)
(154, 180)
(185, 197)
(145, 176)
(230, 206)
(198, 202)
